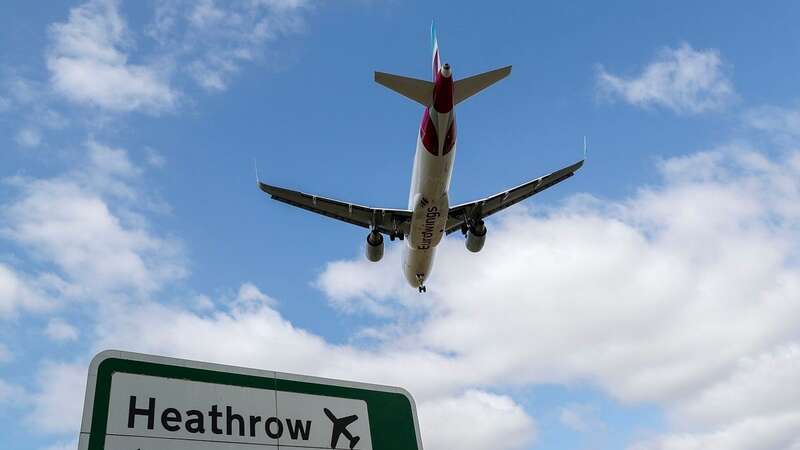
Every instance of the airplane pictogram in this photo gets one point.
(340, 428)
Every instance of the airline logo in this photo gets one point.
(429, 227)
(426, 225)
(152, 413)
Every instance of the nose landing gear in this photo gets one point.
(422, 288)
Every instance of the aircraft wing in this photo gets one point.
(345, 421)
(483, 208)
(384, 220)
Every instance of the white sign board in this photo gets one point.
(142, 402)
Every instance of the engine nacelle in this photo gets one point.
(374, 246)
(476, 237)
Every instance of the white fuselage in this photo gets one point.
(428, 201)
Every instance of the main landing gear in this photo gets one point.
(396, 235)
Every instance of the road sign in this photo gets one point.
(144, 402)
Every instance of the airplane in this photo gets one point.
(429, 215)
(340, 428)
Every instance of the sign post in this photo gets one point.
(143, 402)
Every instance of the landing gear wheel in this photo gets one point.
(422, 289)
(391, 236)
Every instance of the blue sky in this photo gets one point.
(646, 303)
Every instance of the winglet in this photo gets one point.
(255, 165)
(584, 147)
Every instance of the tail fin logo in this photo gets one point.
(435, 46)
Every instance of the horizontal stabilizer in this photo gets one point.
(466, 88)
(420, 91)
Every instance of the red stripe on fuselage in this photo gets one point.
(430, 136)
(450, 138)
(442, 105)
(427, 132)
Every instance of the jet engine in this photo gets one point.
(374, 246)
(476, 236)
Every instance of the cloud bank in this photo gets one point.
(682, 295)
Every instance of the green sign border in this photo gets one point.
(391, 414)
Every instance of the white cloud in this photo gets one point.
(10, 393)
(250, 295)
(753, 406)
(765, 383)
(242, 334)
(59, 330)
(109, 173)
(352, 285)
(206, 14)
(29, 137)
(31, 101)
(76, 229)
(580, 418)
(475, 420)
(65, 445)
(783, 124)
(111, 161)
(88, 63)
(202, 303)
(58, 402)
(254, 334)
(94, 59)
(683, 79)
(217, 38)
(16, 291)
(86, 224)
(756, 433)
